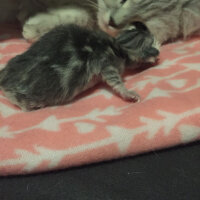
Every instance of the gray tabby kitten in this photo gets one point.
(166, 19)
(68, 60)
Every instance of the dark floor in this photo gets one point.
(172, 174)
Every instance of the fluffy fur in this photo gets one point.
(38, 17)
(68, 60)
(166, 19)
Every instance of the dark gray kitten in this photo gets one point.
(68, 60)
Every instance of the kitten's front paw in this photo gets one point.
(131, 96)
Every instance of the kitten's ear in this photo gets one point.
(126, 37)
(132, 39)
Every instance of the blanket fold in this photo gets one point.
(99, 125)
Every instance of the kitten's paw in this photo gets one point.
(131, 96)
(31, 32)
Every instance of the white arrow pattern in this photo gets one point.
(100, 125)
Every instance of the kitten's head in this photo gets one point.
(114, 14)
(139, 44)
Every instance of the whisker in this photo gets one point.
(93, 4)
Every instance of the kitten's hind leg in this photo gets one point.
(20, 101)
(29, 106)
(112, 77)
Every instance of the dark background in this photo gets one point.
(172, 174)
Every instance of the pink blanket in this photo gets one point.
(99, 125)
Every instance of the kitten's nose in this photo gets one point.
(151, 52)
(112, 23)
(154, 52)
